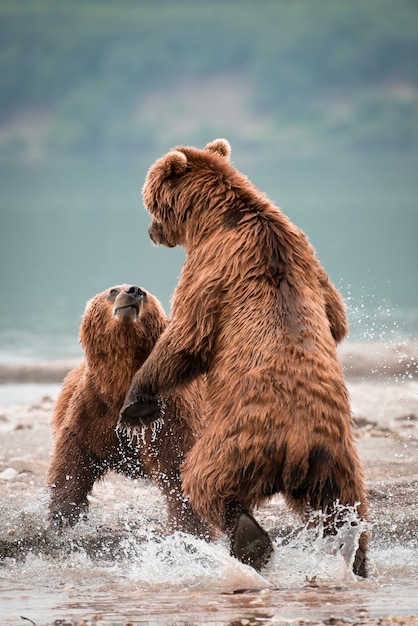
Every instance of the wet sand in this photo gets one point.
(383, 384)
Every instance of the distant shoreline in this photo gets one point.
(360, 360)
(41, 372)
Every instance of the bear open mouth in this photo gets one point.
(128, 311)
(128, 306)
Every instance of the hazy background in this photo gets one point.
(319, 99)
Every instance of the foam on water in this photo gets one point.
(180, 560)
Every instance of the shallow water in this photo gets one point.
(27, 392)
(119, 565)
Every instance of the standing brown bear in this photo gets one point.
(119, 329)
(255, 312)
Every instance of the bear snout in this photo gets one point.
(128, 303)
(155, 231)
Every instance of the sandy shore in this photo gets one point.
(360, 360)
(383, 384)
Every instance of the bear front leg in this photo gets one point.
(72, 473)
(143, 401)
(181, 354)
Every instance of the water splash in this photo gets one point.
(137, 435)
(377, 320)
(134, 546)
(122, 558)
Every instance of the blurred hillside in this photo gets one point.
(319, 99)
(106, 77)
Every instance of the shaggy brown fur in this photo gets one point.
(256, 313)
(118, 331)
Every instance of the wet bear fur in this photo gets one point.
(119, 329)
(255, 313)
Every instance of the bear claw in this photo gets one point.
(250, 543)
(140, 414)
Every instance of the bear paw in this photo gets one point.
(66, 514)
(139, 414)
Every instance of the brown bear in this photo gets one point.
(256, 314)
(119, 329)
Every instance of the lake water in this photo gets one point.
(70, 228)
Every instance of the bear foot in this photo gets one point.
(250, 543)
(67, 514)
(360, 563)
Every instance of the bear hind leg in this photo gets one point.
(326, 487)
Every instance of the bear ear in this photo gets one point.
(174, 164)
(221, 147)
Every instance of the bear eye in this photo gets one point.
(113, 293)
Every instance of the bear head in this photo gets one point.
(119, 319)
(176, 185)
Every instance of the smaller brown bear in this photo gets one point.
(119, 329)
